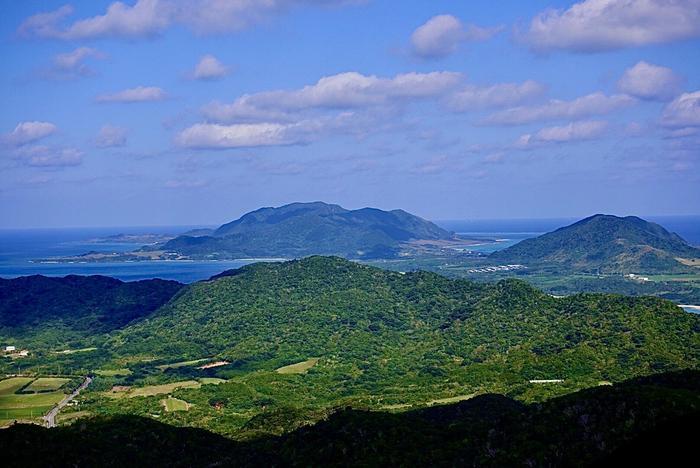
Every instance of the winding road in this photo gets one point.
(50, 417)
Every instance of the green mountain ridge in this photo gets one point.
(50, 312)
(301, 229)
(267, 315)
(605, 244)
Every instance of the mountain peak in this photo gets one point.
(307, 228)
(605, 243)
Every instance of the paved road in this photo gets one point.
(50, 417)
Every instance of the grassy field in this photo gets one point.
(11, 385)
(151, 390)
(211, 381)
(175, 404)
(113, 372)
(73, 351)
(299, 367)
(47, 384)
(175, 365)
(27, 407)
(68, 418)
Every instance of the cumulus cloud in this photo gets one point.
(599, 25)
(650, 82)
(209, 68)
(555, 109)
(111, 136)
(28, 132)
(441, 36)
(213, 136)
(341, 91)
(574, 131)
(684, 111)
(71, 65)
(499, 95)
(138, 94)
(44, 156)
(149, 18)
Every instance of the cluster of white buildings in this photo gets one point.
(12, 351)
(491, 269)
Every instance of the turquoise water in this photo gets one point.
(19, 247)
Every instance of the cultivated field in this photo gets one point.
(46, 384)
(113, 372)
(299, 367)
(175, 404)
(151, 390)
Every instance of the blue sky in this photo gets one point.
(157, 112)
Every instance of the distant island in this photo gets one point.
(606, 244)
(297, 230)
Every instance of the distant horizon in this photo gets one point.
(434, 220)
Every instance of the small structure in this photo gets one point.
(10, 349)
(543, 381)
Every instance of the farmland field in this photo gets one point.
(11, 385)
(151, 390)
(113, 372)
(299, 367)
(47, 384)
(175, 404)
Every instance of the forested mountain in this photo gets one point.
(643, 422)
(46, 310)
(396, 325)
(301, 229)
(606, 244)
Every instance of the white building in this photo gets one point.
(10, 349)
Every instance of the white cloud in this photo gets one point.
(441, 35)
(209, 68)
(585, 106)
(138, 94)
(341, 91)
(149, 18)
(28, 132)
(598, 25)
(650, 82)
(111, 136)
(238, 135)
(684, 111)
(70, 65)
(43, 156)
(574, 131)
(499, 95)
(74, 60)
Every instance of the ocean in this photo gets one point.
(18, 247)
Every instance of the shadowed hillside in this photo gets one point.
(598, 426)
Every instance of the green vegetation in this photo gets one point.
(113, 372)
(381, 340)
(54, 314)
(173, 404)
(299, 367)
(641, 422)
(151, 390)
(301, 229)
(46, 384)
(605, 244)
